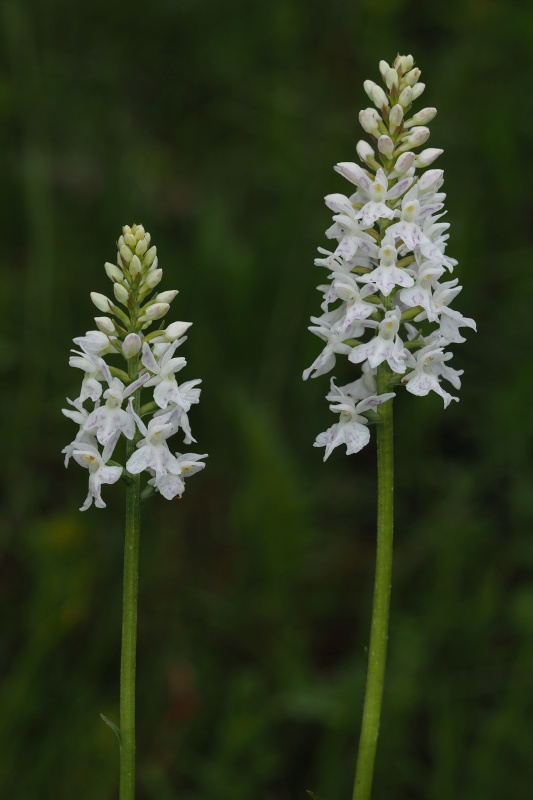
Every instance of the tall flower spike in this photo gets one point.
(385, 308)
(148, 360)
(390, 254)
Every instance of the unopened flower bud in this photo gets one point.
(101, 302)
(153, 278)
(175, 330)
(391, 79)
(113, 272)
(156, 311)
(419, 134)
(135, 266)
(150, 255)
(385, 146)
(365, 152)
(368, 86)
(166, 297)
(404, 162)
(411, 77)
(125, 229)
(105, 324)
(406, 97)
(404, 63)
(142, 246)
(368, 123)
(130, 240)
(396, 116)
(379, 98)
(418, 88)
(422, 117)
(139, 232)
(121, 293)
(131, 345)
(383, 69)
(427, 157)
(125, 254)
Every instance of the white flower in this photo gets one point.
(152, 451)
(166, 386)
(95, 343)
(430, 365)
(88, 456)
(387, 275)
(110, 419)
(91, 366)
(347, 228)
(386, 345)
(79, 415)
(326, 329)
(177, 416)
(421, 293)
(373, 193)
(450, 319)
(172, 485)
(351, 429)
(345, 287)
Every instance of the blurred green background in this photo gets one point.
(216, 125)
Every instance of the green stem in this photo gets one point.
(382, 588)
(129, 617)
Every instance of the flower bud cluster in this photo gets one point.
(114, 394)
(387, 303)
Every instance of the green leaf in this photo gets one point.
(114, 728)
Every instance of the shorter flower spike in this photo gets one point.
(106, 386)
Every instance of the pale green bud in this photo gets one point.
(396, 116)
(142, 245)
(386, 146)
(101, 302)
(419, 134)
(150, 255)
(403, 63)
(129, 239)
(113, 272)
(411, 77)
(156, 311)
(366, 153)
(383, 69)
(121, 293)
(138, 231)
(418, 88)
(404, 162)
(175, 330)
(368, 86)
(391, 79)
(427, 157)
(135, 266)
(153, 278)
(166, 297)
(131, 345)
(422, 117)
(126, 229)
(125, 254)
(379, 98)
(368, 123)
(406, 97)
(105, 324)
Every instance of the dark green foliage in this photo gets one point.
(216, 125)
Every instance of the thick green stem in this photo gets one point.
(129, 618)
(382, 588)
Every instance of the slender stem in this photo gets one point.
(129, 618)
(382, 588)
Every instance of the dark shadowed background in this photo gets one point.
(216, 125)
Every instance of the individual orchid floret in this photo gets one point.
(387, 275)
(429, 367)
(110, 418)
(373, 193)
(152, 452)
(173, 485)
(163, 375)
(386, 345)
(91, 387)
(352, 427)
(326, 329)
(421, 293)
(87, 456)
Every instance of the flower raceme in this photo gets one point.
(114, 394)
(386, 264)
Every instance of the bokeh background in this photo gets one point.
(216, 125)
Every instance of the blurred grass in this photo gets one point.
(217, 126)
